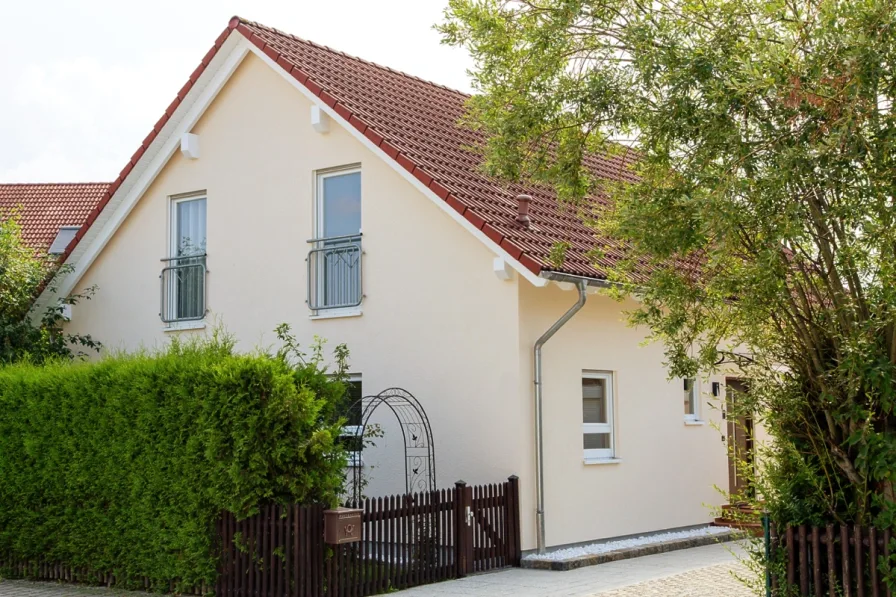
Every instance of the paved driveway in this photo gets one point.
(699, 572)
(712, 581)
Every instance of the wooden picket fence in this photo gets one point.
(407, 540)
(830, 561)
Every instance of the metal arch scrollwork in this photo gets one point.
(419, 450)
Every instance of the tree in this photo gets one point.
(23, 272)
(763, 139)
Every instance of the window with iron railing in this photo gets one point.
(183, 277)
(183, 288)
(334, 273)
(334, 260)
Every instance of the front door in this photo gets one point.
(740, 441)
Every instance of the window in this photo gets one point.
(351, 432)
(334, 263)
(691, 399)
(339, 204)
(183, 278)
(597, 415)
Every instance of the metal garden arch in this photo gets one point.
(419, 451)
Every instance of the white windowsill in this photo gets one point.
(694, 423)
(352, 430)
(590, 461)
(337, 313)
(177, 326)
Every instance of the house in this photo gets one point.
(50, 214)
(288, 182)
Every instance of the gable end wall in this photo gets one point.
(436, 320)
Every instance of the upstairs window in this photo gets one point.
(183, 277)
(334, 262)
(597, 415)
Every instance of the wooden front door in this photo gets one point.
(740, 441)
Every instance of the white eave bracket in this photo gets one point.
(320, 122)
(502, 269)
(189, 146)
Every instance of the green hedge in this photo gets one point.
(124, 465)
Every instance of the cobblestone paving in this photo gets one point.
(712, 581)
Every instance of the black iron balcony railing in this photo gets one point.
(334, 272)
(183, 288)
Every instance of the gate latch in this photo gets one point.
(469, 516)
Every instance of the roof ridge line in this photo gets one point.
(276, 31)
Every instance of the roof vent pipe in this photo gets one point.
(522, 210)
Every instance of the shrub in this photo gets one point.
(123, 466)
(23, 273)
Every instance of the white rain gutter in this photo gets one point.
(582, 285)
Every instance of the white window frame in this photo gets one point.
(609, 426)
(172, 219)
(695, 392)
(173, 202)
(319, 177)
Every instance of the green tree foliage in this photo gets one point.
(124, 465)
(23, 272)
(763, 137)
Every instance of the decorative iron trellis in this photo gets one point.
(419, 451)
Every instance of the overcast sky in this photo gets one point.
(84, 81)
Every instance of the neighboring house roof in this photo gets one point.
(46, 208)
(415, 123)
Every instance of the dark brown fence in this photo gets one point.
(831, 561)
(407, 541)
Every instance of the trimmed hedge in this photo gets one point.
(123, 466)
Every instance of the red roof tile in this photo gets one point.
(419, 119)
(45, 208)
(415, 122)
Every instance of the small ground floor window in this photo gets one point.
(352, 432)
(597, 415)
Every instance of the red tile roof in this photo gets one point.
(45, 208)
(415, 122)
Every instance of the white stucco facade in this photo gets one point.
(435, 320)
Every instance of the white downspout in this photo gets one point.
(539, 427)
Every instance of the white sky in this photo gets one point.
(84, 81)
